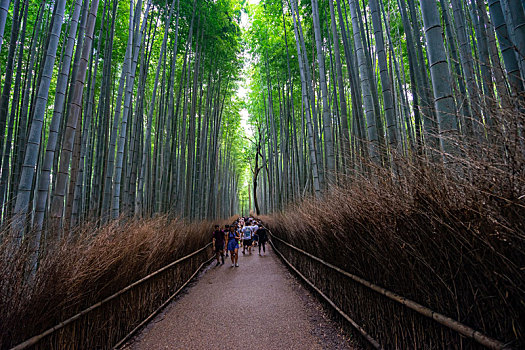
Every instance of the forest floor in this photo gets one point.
(258, 305)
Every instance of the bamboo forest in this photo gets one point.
(380, 143)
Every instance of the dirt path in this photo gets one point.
(257, 305)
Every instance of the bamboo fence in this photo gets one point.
(112, 321)
(383, 318)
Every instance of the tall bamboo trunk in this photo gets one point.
(441, 81)
(388, 97)
(35, 134)
(4, 7)
(8, 79)
(327, 118)
(306, 101)
(57, 204)
(366, 87)
(131, 67)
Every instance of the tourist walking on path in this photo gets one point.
(263, 238)
(233, 245)
(238, 231)
(218, 244)
(247, 232)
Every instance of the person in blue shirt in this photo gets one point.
(233, 245)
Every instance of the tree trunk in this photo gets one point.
(57, 204)
(327, 118)
(35, 135)
(441, 79)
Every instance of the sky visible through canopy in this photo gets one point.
(242, 94)
(242, 91)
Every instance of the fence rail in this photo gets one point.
(120, 315)
(449, 323)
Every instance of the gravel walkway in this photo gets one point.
(257, 305)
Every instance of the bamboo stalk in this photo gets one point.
(440, 318)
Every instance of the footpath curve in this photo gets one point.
(258, 305)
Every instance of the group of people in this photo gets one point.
(244, 232)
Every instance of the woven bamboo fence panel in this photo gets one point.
(104, 324)
(389, 320)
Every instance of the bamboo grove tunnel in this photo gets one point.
(380, 142)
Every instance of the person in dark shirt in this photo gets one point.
(218, 244)
(263, 238)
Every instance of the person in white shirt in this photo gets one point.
(247, 234)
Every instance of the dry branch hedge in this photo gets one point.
(454, 245)
(75, 274)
